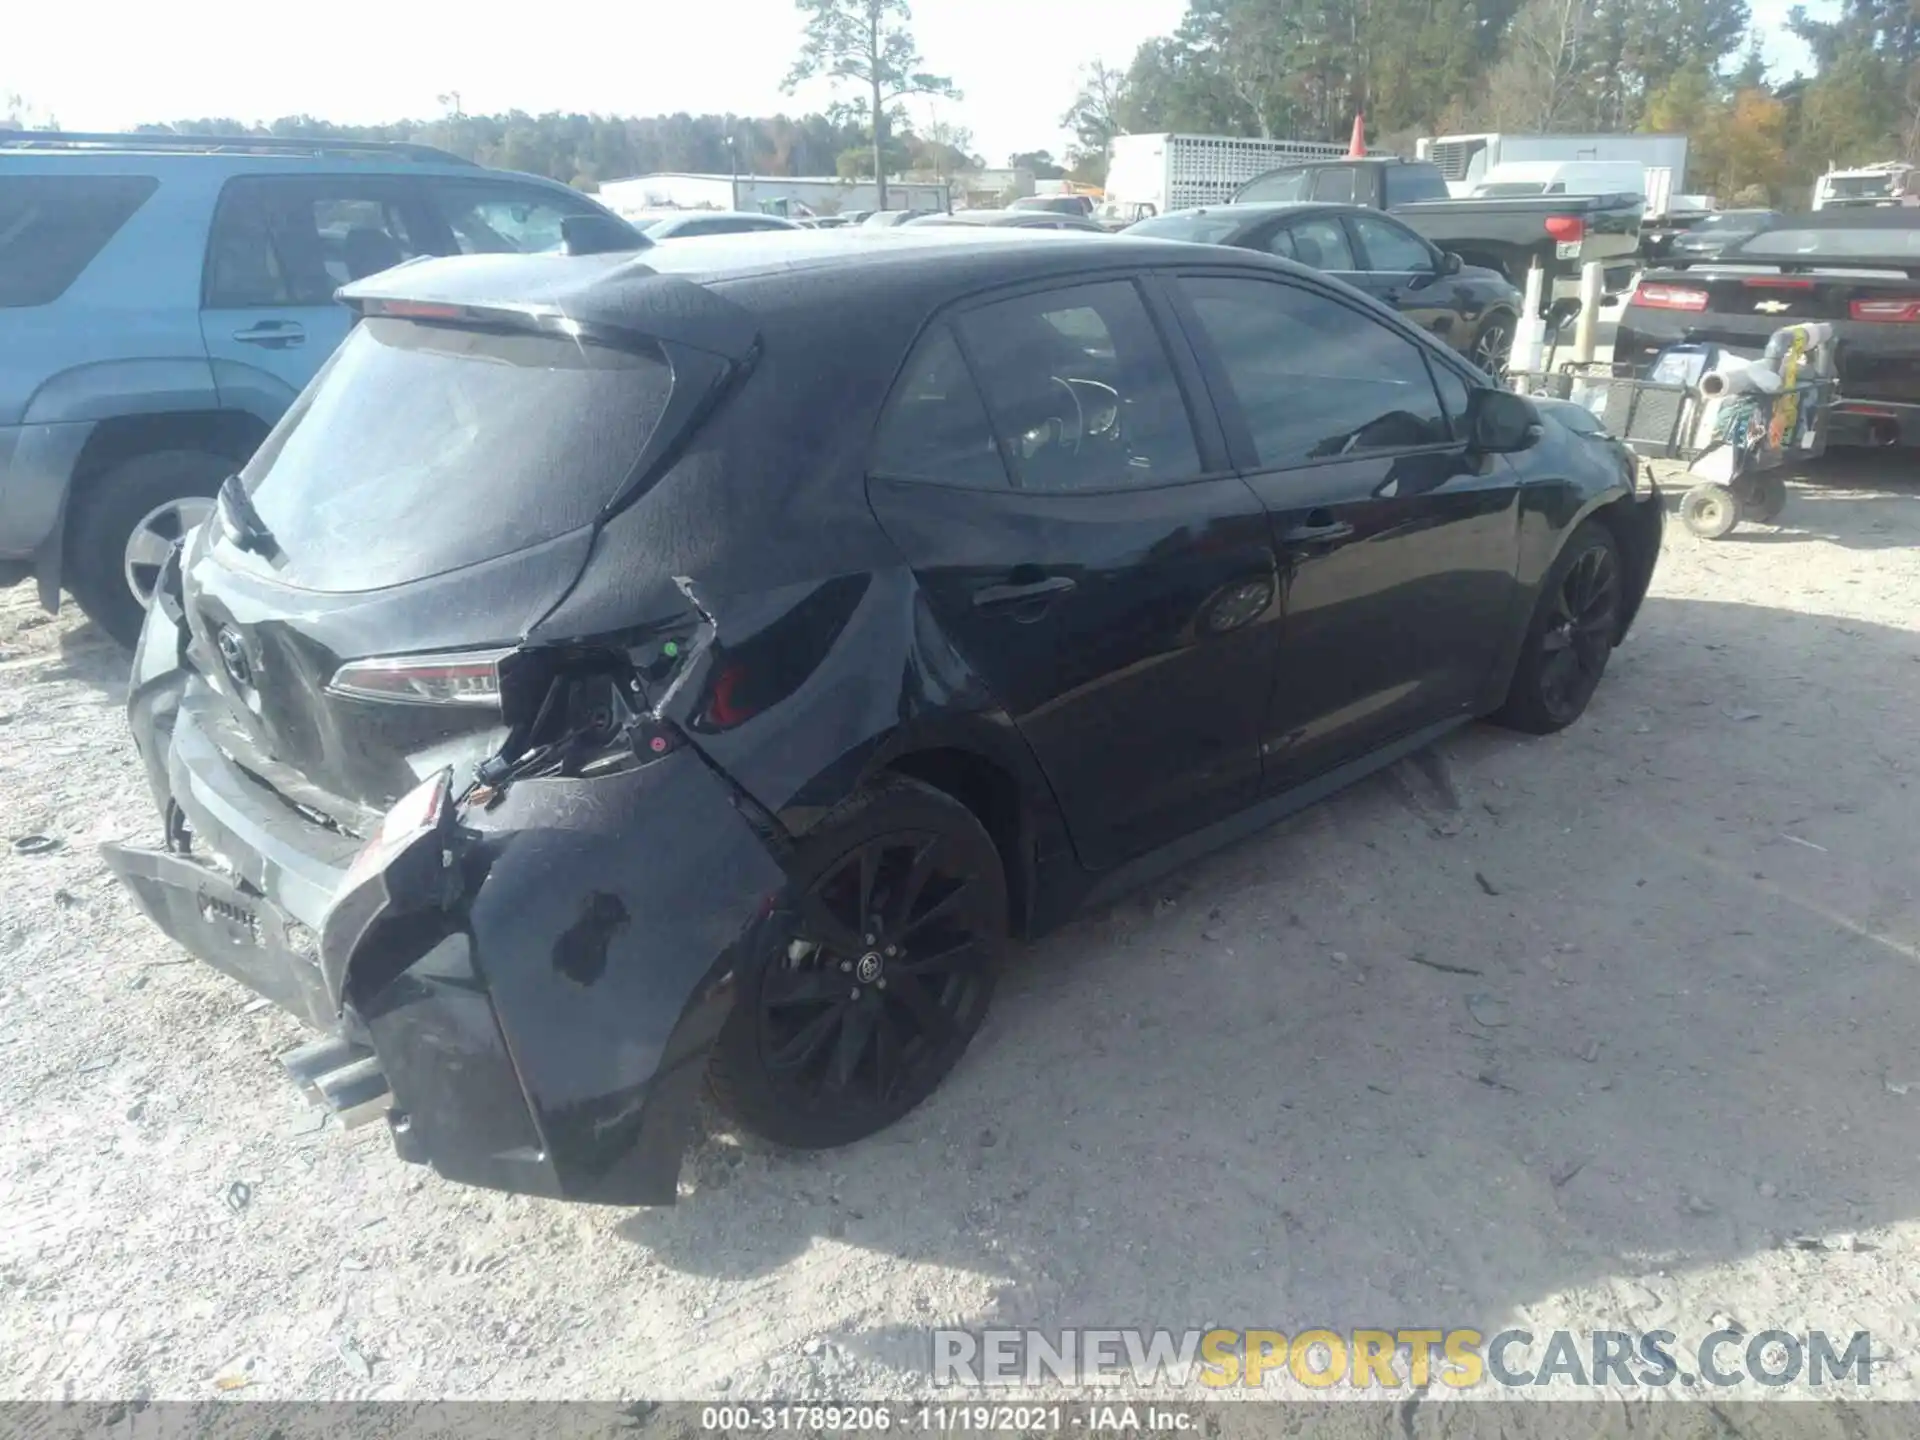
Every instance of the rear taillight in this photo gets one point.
(1669, 297)
(468, 677)
(1567, 229)
(1887, 312)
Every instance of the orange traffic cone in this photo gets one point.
(1358, 149)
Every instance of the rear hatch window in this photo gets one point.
(51, 227)
(423, 448)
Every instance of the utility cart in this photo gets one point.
(1740, 426)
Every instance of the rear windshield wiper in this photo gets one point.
(241, 523)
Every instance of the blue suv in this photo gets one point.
(164, 298)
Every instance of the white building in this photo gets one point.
(792, 195)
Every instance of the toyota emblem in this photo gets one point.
(233, 656)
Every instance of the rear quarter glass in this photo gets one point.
(52, 227)
(424, 448)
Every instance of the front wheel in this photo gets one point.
(1571, 636)
(869, 996)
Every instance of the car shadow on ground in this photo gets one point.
(1526, 1017)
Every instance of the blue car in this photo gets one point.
(164, 298)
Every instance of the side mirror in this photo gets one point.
(599, 235)
(1501, 423)
(1562, 313)
(1450, 263)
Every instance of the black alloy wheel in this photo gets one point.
(1571, 637)
(1493, 345)
(1586, 616)
(881, 979)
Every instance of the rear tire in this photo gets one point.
(1570, 637)
(855, 1011)
(1766, 499)
(110, 510)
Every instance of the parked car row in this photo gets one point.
(1469, 308)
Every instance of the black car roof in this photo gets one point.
(1267, 209)
(704, 290)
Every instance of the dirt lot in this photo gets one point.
(1578, 1032)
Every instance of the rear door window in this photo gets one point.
(1406, 184)
(489, 218)
(423, 448)
(285, 241)
(1288, 185)
(1321, 241)
(1080, 389)
(1390, 248)
(936, 427)
(1334, 185)
(52, 226)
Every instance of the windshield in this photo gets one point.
(1857, 185)
(1197, 226)
(422, 448)
(1838, 244)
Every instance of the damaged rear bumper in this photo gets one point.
(540, 1022)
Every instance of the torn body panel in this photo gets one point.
(539, 977)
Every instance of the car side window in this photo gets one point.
(1389, 247)
(493, 219)
(935, 427)
(1315, 379)
(1453, 396)
(282, 241)
(1281, 243)
(1320, 242)
(1081, 391)
(1334, 185)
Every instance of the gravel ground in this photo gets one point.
(1579, 1032)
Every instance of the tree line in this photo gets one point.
(1293, 68)
(1303, 68)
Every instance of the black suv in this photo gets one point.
(620, 672)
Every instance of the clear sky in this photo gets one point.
(113, 64)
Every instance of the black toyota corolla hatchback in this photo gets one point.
(620, 673)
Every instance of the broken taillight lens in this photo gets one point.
(467, 678)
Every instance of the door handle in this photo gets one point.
(1031, 595)
(274, 334)
(1316, 531)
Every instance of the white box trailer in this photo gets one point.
(790, 195)
(1464, 160)
(1158, 174)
